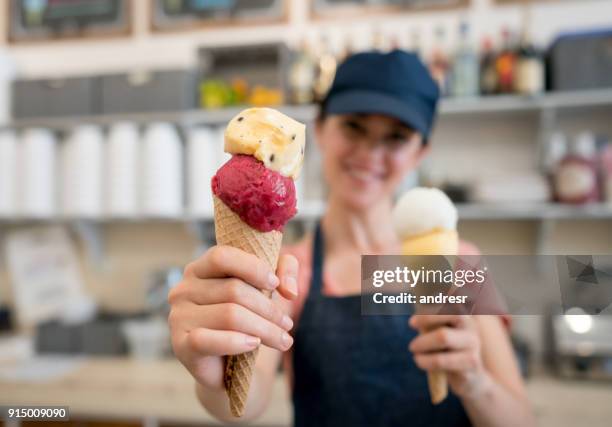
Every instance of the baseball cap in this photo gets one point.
(396, 84)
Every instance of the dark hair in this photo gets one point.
(322, 114)
(321, 111)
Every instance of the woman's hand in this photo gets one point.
(218, 309)
(450, 343)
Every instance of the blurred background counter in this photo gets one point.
(124, 392)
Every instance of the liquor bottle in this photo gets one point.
(326, 69)
(394, 42)
(438, 63)
(505, 64)
(302, 75)
(465, 73)
(379, 41)
(414, 44)
(346, 49)
(488, 73)
(530, 68)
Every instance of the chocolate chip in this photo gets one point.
(302, 150)
(293, 138)
(271, 157)
(240, 119)
(260, 141)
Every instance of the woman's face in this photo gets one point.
(366, 156)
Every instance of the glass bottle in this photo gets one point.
(488, 73)
(465, 75)
(530, 68)
(576, 175)
(439, 64)
(415, 43)
(302, 75)
(326, 70)
(505, 64)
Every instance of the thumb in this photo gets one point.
(287, 272)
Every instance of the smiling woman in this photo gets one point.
(365, 156)
(371, 132)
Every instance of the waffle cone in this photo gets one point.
(438, 386)
(232, 231)
(439, 242)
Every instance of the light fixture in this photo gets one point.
(578, 321)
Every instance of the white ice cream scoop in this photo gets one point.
(423, 210)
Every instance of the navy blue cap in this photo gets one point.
(396, 84)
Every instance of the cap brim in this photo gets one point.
(370, 102)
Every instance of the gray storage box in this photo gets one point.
(581, 61)
(149, 91)
(54, 337)
(54, 97)
(102, 338)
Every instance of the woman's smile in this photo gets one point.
(363, 176)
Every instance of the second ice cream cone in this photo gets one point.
(232, 231)
(426, 222)
(439, 242)
(438, 386)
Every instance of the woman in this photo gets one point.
(344, 368)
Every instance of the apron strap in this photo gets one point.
(318, 248)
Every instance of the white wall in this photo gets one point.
(144, 49)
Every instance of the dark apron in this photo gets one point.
(354, 370)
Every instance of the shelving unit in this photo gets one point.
(312, 210)
(219, 117)
(307, 113)
(533, 212)
(512, 103)
(546, 106)
(307, 212)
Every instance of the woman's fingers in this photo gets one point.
(234, 317)
(227, 261)
(237, 292)
(443, 338)
(448, 361)
(431, 321)
(288, 272)
(446, 342)
(210, 342)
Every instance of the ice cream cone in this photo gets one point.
(438, 386)
(426, 222)
(254, 197)
(439, 242)
(232, 231)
